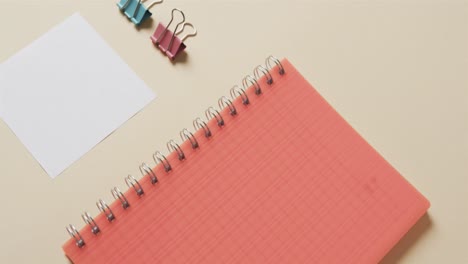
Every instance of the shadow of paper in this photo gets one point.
(405, 244)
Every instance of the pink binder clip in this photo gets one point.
(169, 41)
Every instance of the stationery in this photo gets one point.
(136, 11)
(66, 92)
(169, 42)
(275, 175)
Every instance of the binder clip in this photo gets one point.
(169, 41)
(135, 10)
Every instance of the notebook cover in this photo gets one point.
(286, 180)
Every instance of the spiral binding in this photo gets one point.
(172, 146)
(88, 219)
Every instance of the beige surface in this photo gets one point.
(396, 70)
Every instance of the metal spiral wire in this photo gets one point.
(88, 219)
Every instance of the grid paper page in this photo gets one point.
(286, 180)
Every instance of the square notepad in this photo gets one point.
(66, 92)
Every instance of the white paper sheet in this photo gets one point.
(66, 92)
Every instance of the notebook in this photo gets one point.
(282, 179)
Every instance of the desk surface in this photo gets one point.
(396, 70)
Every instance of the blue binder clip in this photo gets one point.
(135, 10)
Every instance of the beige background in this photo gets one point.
(396, 70)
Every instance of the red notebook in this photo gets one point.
(276, 176)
